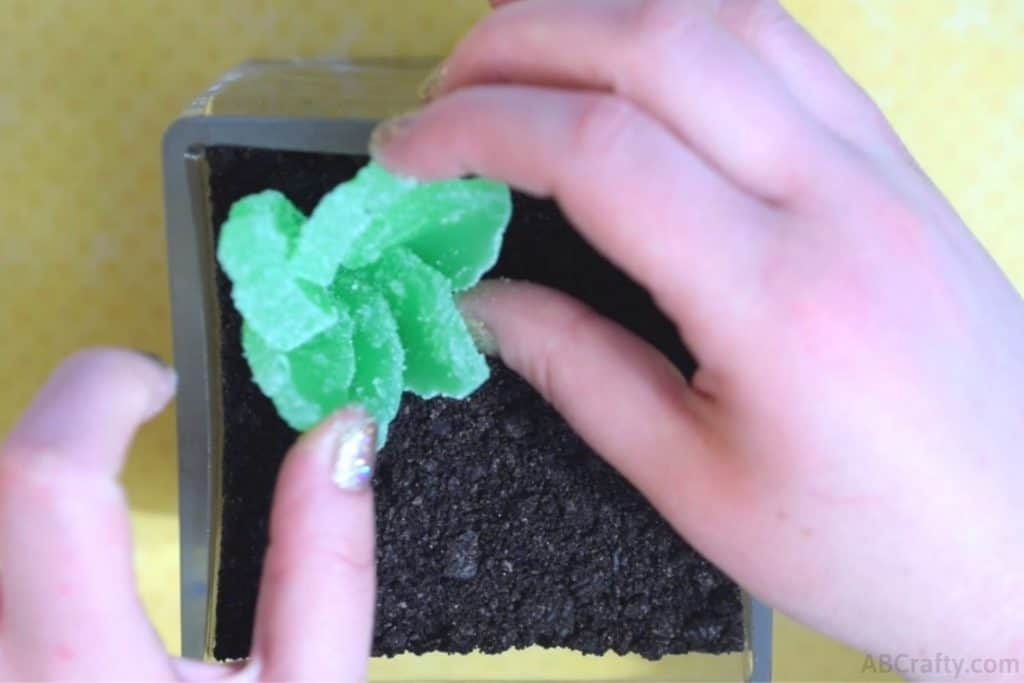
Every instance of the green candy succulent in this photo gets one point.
(355, 304)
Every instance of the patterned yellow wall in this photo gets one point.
(87, 87)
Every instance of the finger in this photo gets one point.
(315, 615)
(675, 225)
(811, 74)
(619, 394)
(806, 68)
(68, 590)
(675, 60)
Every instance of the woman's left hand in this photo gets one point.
(69, 608)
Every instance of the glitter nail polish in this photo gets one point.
(356, 454)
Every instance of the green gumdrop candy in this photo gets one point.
(308, 383)
(440, 357)
(378, 382)
(253, 249)
(340, 222)
(356, 305)
(323, 367)
(455, 226)
(273, 375)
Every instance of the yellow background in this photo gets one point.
(88, 86)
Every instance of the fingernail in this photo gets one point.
(388, 131)
(431, 86)
(159, 401)
(347, 442)
(482, 336)
(356, 453)
(484, 340)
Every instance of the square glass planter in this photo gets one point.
(323, 108)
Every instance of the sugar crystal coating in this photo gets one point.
(342, 222)
(253, 251)
(440, 355)
(378, 383)
(355, 305)
(465, 210)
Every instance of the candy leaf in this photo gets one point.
(457, 226)
(378, 382)
(356, 305)
(273, 375)
(440, 358)
(339, 224)
(254, 243)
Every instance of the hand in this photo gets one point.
(69, 606)
(850, 447)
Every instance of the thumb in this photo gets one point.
(70, 605)
(619, 393)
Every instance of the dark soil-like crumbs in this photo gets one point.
(497, 526)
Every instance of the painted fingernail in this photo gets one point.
(431, 86)
(353, 444)
(388, 131)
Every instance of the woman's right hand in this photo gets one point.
(850, 447)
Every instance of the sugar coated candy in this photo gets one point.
(355, 304)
